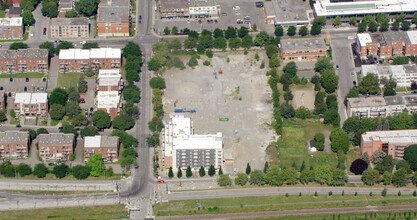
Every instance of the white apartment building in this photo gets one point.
(31, 104)
(109, 80)
(108, 101)
(183, 148)
(402, 74)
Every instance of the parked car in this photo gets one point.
(91, 109)
(60, 128)
(18, 126)
(44, 31)
(51, 164)
(42, 88)
(27, 79)
(161, 181)
(140, 16)
(82, 100)
(337, 66)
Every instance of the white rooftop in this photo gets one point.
(412, 35)
(395, 136)
(14, 21)
(105, 53)
(110, 77)
(364, 39)
(100, 141)
(92, 141)
(327, 8)
(95, 53)
(108, 99)
(31, 98)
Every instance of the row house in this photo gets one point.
(113, 18)
(109, 80)
(24, 60)
(391, 142)
(107, 146)
(64, 28)
(108, 101)
(80, 60)
(56, 146)
(31, 104)
(14, 144)
(303, 49)
(11, 28)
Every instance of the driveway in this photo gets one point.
(53, 73)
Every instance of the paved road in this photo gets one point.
(300, 212)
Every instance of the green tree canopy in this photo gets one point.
(323, 64)
(369, 84)
(40, 170)
(96, 164)
(18, 45)
(410, 155)
(224, 180)
(123, 122)
(57, 111)
(81, 172)
(48, 45)
(101, 119)
(87, 7)
(273, 176)
(329, 80)
(88, 131)
(400, 178)
(58, 96)
(60, 171)
(23, 169)
(339, 140)
(64, 45)
(241, 179)
(291, 30)
(50, 9)
(27, 17)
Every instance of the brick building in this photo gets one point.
(64, 6)
(174, 9)
(109, 80)
(11, 28)
(391, 142)
(113, 18)
(57, 146)
(108, 101)
(14, 144)
(108, 146)
(79, 60)
(69, 28)
(31, 104)
(303, 49)
(24, 60)
(14, 12)
(206, 8)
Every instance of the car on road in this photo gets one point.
(18, 126)
(161, 181)
(51, 164)
(42, 88)
(337, 66)
(354, 83)
(414, 92)
(44, 31)
(60, 128)
(82, 100)
(353, 74)
(27, 79)
(224, 14)
(199, 21)
(140, 16)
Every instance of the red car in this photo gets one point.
(44, 31)
(82, 100)
(161, 181)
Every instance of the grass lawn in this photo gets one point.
(401, 89)
(54, 122)
(90, 212)
(270, 203)
(2, 14)
(366, 215)
(14, 121)
(24, 75)
(292, 148)
(68, 80)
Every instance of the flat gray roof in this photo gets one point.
(165, 4)
(65, 4)
(69, 21)
(373, 101)
(394, 100)
(30, 53)
(15, 10)
(14, 137)
(56, 139)
(114, 11)
(289, 11)
(386, 38)
(303, 44)
(197, 3)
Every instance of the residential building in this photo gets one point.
(109, 80)
(63, 28)
(108, 101)
(330, 8)
(404, 75)
(362, 41)
(79, 60)
(286, 13)
(378, 106)
(108, 146)
(174, 9)
(56, 146)
(113, 18)
(391, 142)
(2, 102)
(64, 6)
(11, 28)
(14, 144)
(303, 49)
(183, 148)
(31, 104)
(24, 60)
(14, 12)
(16, 3)
(411, 48)
(203, 9)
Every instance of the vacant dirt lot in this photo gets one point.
(241, 94)
(303, 97)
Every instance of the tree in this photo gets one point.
(23, 169)
(320, 21)
(256, 178)
(358, 166)
(224, 180)
(123, 122)
(303, 113)
(369, 84)
(130, 152)
(323, 64)
(362, 27)
(90, 45)
(395, 26)
(373, 26)
(96, 164)
(378, 156)
(60, 171)
(279, 31)
(79, 120)
(405, 25)
(386, 179)
(179, 172)
(131, 93)
(303, 31)
(266, 166)
(3, 117)
(49, 46)
(211, 170)
(71, 14)
(400, 178)
(64, 45)
(414, 19)
(72, 109)
(401, 60)
(219, 43)
(387, 164)
(234, 43)
(27, 17)
(353, 93)
(337, 21)
(167, 31)
(175, 44)
(230, 33)
(18, 45)
(290, 68)
(41, 131)
(247, 41)
(190, 43)
(241, 179)
(157, 82)
(273, 176)
(331, 116)
(274, 62)
(315, 29)
(288, 95)
(40, 170)
(73, 94)
(7, 169)
(261, 38)
(329, 80)
(189, 173)
(319, 138)
(202, 171)
(57, 112)
(248, 169)
(50, 9)
(307, 176)
(170, 173)
(88, 131)
(319, 106)
(174, 30)
(323, 174)
(243, 31)
(69, 129)
(192, 62)
(58, 96)
(155, 124)
(339, 140)
(370, 176)
(131, 110)
(218, 33)
(353, 20)
(290, 175)
(87, 7)
(339, 178)
(131, 49)
(384, 26)
(209, 53)
(410, 155)
(81, 172)
(101, 119)
(403, 164)
(287, 111)
(291, 30)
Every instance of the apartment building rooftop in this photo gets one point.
(30, 53)
(198, 3)
(31, 98)
(14, 21)
(412, 35)
(65, 4)
(108, 99)
(373, 101)
(95, 53)
(100, 141)
(387, 38)
(15, 11)
(14, 136)
(287, 12)
(364, 38)
(56, 139)
(113, 11)
(173, 4)
(394, 136)
(303, 44)
(69, 21)
(109, 77)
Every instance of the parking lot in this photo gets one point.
(231, 10)
(23, 85)
(241, 95)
